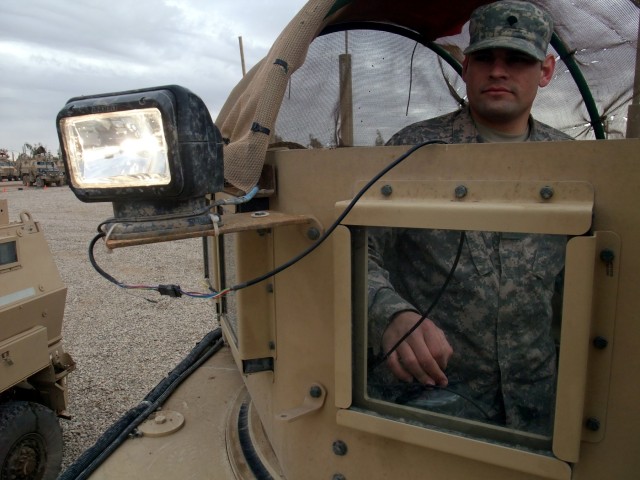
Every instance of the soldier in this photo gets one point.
(489, 336)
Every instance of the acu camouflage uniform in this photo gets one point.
(496, 312)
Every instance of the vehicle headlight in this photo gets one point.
(154, 153)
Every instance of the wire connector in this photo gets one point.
(171, 290)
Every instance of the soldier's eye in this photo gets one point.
(521, 59)
(483, 57)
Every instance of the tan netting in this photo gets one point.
(256, 100)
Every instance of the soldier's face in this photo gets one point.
(502, 84)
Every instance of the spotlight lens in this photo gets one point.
(117, 149)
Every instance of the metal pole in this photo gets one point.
(633, 116)
(244, 71)
(346, 97)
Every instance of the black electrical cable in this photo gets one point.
(339, 220)
(464, 397)
(435, 301)
(93, 262)
(154, 218)
(175, 216)
(411, 77)
(93, 457)
(318, 242)
(306, 252)
(412, 390)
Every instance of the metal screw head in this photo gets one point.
(546, 192)
(313, 233)
(461, 191)
(607, 255)
(315, 391)
(339, 448)
(386, 190)
(592, 424)
(600, 342)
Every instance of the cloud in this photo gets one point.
(52, 51)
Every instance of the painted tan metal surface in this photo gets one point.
(301, 319)
(198, 449)
(236, 223)
(304, 299)
(478, 205)
(255, 338)
(471, 450)
(32, 299)
(33, 292)
(22, 355)
(161, 423)
(605, 297)
(574, 348)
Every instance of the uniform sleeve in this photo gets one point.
(383, 300)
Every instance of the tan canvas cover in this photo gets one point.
(256, 100)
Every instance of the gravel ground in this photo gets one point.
(123, 341)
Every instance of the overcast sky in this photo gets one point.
(51, 51)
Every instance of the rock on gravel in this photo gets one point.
(123, 341)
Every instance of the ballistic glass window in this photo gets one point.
(489, 395)
(8, 253)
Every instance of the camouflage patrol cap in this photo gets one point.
(511, 24)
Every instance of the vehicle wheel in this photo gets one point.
(25, 181)
(30, 442)
(39, 182)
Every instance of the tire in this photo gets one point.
(25, 181)
(39, 182)
(30, 442)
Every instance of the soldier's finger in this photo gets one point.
(394, 363)
(428, 369)
(413, 361)
(439, 347)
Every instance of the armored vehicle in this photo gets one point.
(7, 166)
(297, 391)
(8, 171)
(39, 171)
(33, 362)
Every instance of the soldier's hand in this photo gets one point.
(423, 355)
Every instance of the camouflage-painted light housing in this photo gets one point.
(158, 143)
(154, 153)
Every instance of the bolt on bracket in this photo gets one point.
(312, 402)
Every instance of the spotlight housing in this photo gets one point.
(154, 153)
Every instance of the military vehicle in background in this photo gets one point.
(40, 170)
(33, 362)
(8, 169)
(63, 173)
(294, 392)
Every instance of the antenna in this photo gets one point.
(244, 71)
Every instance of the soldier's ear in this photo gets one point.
(548, 67)
(465, 65)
